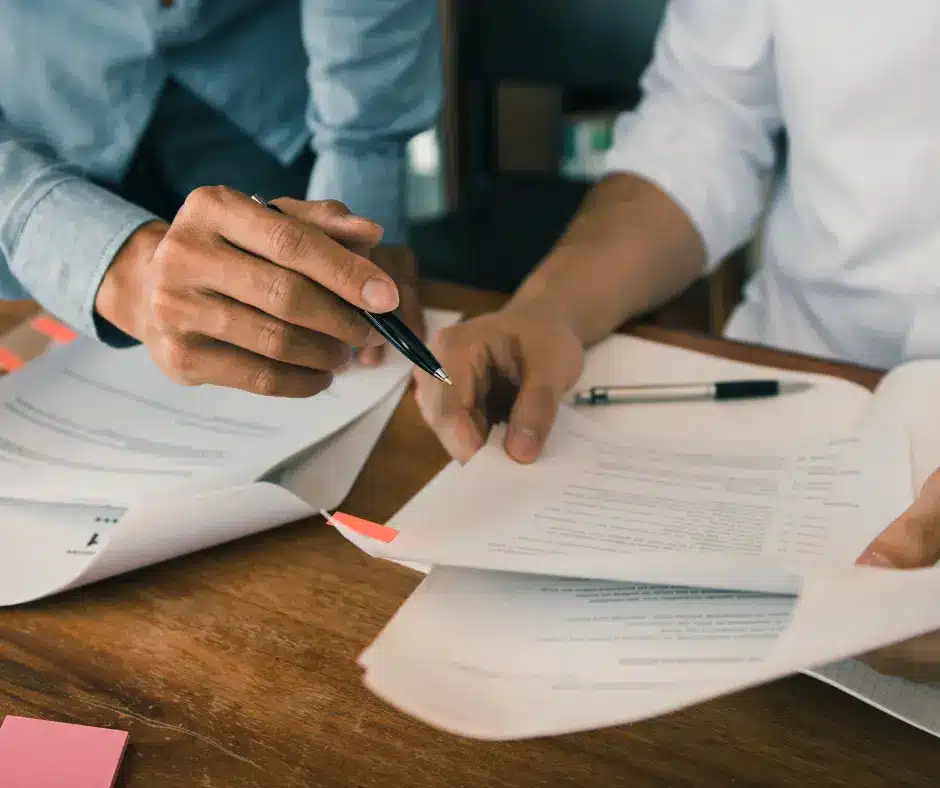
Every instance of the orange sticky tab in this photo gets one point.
(9, 361)
(381, 533)
(52, 328)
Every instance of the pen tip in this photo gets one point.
(441, 375)
(795, 386)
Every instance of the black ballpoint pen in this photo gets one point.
(390, 326)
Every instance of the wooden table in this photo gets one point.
(235, 668)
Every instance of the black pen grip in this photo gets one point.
(396, 331)
(746, 389)
(385, 324)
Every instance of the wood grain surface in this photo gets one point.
(235, 668)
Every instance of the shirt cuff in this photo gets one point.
(69, 238)
(371, 184)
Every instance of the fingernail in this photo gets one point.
(874, 558)
(380, 295)
(523, 443)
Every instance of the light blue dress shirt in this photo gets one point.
(79, 80)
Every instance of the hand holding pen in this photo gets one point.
(393, 328)
(233, 294)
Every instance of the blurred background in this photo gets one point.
(532, 91)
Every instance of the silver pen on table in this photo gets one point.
(689, 392)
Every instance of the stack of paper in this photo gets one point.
(660, 555)
(106, 465)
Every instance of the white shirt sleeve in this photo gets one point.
(703, 132)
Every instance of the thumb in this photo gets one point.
(913, 539)
(532, 417)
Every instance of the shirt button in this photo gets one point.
(167, 3)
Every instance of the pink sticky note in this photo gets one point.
(44, 754)
(382, 533)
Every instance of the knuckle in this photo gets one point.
(274, 339)
(543, 396)
(167, 256)
(287, 240)
(334, 208)
(449, 341)
(165, 311)
(178, 360)
(281, 292)
(476, 347)
(203, 197)
(265, 381)
(345, 272)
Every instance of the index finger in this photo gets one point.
(298, 245)
(451, 412)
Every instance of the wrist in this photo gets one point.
(123, 289)
(550, 292)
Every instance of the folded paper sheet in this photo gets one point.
(838, 614)
(121, 469)
(518, 654)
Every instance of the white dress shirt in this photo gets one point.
(850, 254)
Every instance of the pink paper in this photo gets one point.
(44, 754)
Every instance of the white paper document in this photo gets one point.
(558, 628)
(662, 555)
(107, 466)
(88, 423)
(488, 692)
(741, 515)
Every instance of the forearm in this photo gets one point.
(58, 232)
(629, 249)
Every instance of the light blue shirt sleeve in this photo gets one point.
(58, 231)
(375, 79)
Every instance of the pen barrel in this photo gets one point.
(687, 392)
(602, 395)
(394, 329)
(746, 389)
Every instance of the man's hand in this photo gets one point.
(513, 365)
(912, 541)
(399, 263)
(237, 295)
